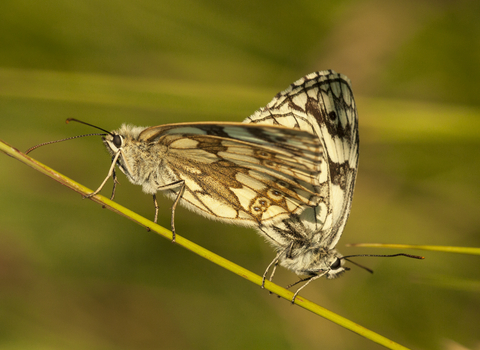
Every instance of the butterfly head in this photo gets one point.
(315, 262)
(114, 142)
(118, 144)
(327, 262)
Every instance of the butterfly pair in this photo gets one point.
(288, 170)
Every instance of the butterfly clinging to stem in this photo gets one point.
(288, 170)
(320, 103)
(232, 172)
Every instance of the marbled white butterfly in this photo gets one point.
(321, 103)
(245, 174)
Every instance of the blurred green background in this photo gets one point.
(74, 276)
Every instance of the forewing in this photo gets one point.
(244, 173)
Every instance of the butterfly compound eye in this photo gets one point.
(336, 264)
(117, 141)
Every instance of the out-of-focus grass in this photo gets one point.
(435, 248)
(54, 237)
(209, 41)
(148, 94)
(200, 251)
(74, 276)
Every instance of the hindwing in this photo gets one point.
(321, 103)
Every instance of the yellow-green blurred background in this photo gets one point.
(74, 276)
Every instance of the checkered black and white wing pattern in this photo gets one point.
(321, 103)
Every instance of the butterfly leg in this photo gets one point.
(110, 173)
(181, 184)
(308, 280)
(179, 196)
(115, 182)
(155, 203)
(273, 271)
(274, 263)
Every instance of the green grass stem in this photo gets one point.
(252, 277)
(437, 248)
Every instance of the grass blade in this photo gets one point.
(252, 277)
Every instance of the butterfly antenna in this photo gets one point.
(385, 256)
(70, 138)
(355, 263)
(82, 122)
(300, 281)
(378, 256)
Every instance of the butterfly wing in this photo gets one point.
(246, 174)
(321, 103)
